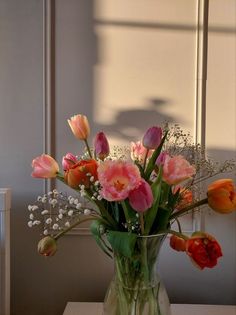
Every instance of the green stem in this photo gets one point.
(187, 209)
(145, 160)
(88, 148)
(141, 222)
(178, 234)
(72, 226)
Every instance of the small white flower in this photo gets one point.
(82, 187)
(76, 201)
(62, 211)
(49, 193)
(36, 222)
(30, 224)
(31, 216)
(39, 198)
(96, 183)
(88, 174)
(78, 206)
(71, 201)
(44, 212)
(70, 212)
(55, 191)
(87, 211)
(53, 202)
(91, 178)
(29, 207)
(45, 232)
(67, 224)
(83, 194)
(34, 207)
(99, 197)
(60, 216)
(44, 200)
(55, 226)
(49, 221)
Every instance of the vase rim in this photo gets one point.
(152, 235)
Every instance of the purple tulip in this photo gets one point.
(101, 146)
(152, 138)
(141, 198)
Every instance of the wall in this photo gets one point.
(126, 66)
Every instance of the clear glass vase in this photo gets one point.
(136, 288)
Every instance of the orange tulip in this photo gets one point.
(222, 196)
(178, 243)
(80, 173)
(79, 126)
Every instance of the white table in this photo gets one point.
(81, 308)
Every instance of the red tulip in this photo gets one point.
(203, 250)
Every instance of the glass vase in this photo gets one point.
(136, 288)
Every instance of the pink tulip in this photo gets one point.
(176, 169)
(44, 167)
(141, 198)
(117, 179)
(101, 146)
(79, 126)
(152, 138)
(138, 151)
(68, 161)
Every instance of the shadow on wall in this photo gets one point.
(130, 123)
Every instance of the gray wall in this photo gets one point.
(79, 271)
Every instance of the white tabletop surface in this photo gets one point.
(81, 308)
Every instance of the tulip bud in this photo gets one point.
(178, 243)
(47, 246)
(101, 146)
(152, 138)
(68, 161)
(141, 198)
(79, 126)
(44, 167)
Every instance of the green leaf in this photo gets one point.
(95, 230)
(122, 242)
(152, 212)
(152, 161)
(162, 220)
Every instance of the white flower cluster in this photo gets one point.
(55, 211)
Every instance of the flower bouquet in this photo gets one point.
(132, 202)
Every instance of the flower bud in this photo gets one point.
(222, 196)
(101, 146)
(47, 246)
(79, 126)
(68, 161)
(178, 243)
(152, 138)
(44, 167)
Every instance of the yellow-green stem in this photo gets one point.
(88, 148)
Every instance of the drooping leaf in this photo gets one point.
(122, 242)
(95, 229)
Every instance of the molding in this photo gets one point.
(200, 89)
(5, 204)
(49, 83)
